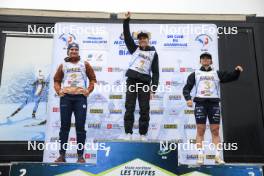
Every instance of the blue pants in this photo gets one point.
(36, 100)
(76, 104)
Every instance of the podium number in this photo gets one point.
(23, 172)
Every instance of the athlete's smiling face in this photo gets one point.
(73, 52)
(143, 42)
(206, 61)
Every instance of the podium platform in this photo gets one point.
(135, 167)
(131, 159)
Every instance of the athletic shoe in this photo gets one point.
(60, 159)
(81, 160)
(200, 160)
(143, 138)
(218, 160)
(127, 137)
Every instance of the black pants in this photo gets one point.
(76, 104)
(143, 94)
